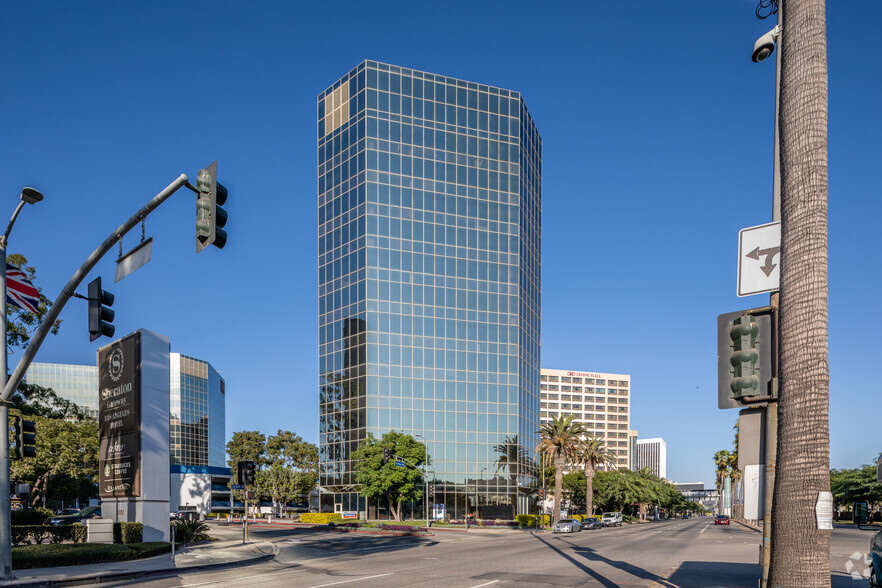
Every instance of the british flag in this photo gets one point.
(20, 291)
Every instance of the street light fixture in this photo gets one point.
(28, 196)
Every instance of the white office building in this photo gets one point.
(653, 454)
(599, 401)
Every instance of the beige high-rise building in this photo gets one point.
(601, 402)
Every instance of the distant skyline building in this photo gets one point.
(197, 424)
(653, 454)
(599, 401)
(430, 204)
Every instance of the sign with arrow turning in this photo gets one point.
(759, 259)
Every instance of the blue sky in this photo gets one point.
(657, 132)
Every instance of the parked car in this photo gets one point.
(721, 520)
(567, 526)
(186, 515)
(591, 523)
(685, 516)
(611, 519)
(67, 511)
(90, 512)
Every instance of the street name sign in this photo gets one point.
(759, 259)
(399, 463)
(238, 486)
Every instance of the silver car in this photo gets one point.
(567, 526)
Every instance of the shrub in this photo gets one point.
(320, 518)
(386, 527)
(128, 532)
(187, 531)
(34, 516)
(42, 556)
(39, 534)
(526, 520)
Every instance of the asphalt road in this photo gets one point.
(678, 553)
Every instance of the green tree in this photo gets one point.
(291, 467)
(574, 487)
(245, 446)
(855, 485)
(66, 465)
(396, 484)
(592, 454)
(560, 441)
(21, 323)
(721, 461)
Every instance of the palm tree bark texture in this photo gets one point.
(800, 552)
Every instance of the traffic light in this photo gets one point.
(745, 348)
(247, 472)
(25, 438)
(431, 490)
(541, 493)
(100, 316)
(387, 455)
(210, 217)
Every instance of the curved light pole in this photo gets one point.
(28, 196)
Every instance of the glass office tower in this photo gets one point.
(430, 204)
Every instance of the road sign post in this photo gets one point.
(759, 250)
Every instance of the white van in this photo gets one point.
(611, 519)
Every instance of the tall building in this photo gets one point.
(430, 199)
(653, 454)
(76, 383)
(197, 431)
(600, 402)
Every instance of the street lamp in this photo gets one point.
(426, 477)
(28, 196)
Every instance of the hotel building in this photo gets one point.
(430, 200)
(600, 402)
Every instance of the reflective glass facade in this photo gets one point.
(430, 198)
(77, 383)
(197, 426)
(197, 404)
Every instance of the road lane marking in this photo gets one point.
(352, 580)
(485, 584)
(705, 528)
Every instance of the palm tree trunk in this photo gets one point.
(800, 552)
(589, 489)
(558, 487)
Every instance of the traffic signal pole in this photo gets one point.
(34, 345)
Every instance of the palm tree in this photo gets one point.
(721, 460)
(593, 453)
(560, 441)
(800, 553)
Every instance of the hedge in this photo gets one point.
(126, 533)
(46, 556)
(39, 534)
(320, 518)
(33, 516)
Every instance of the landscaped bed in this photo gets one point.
(71, 554)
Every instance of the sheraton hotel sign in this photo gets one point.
(119, 458)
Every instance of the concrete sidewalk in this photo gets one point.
(215, 555)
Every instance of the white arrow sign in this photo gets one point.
(759, 259)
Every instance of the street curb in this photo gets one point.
(100, 578)
(749, 527)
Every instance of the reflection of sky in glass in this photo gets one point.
(429, 265)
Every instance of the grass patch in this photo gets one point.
(73, 554)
